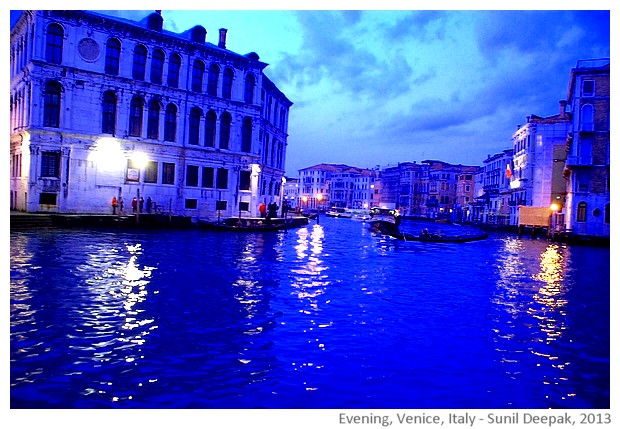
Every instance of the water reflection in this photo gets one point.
(531, 296)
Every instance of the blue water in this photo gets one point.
(326, 316)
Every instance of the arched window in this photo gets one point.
(51, 105)
(112, 57)
(53, 44)
(194, 126)
(210, 122)
(139, 62)
(135, 116)
(248, 93)
(157, 66)
(225, 122)
(582, 210)
(214, 75)
(174, 68)
(108, 113)
(227, 83)
(246, 135)
(152, 130)
(197, 75)
(587, 118)
(170, 124)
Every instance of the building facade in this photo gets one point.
(587, 167)
(104, 107)
(539, 152)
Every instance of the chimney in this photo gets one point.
(222, 43)
(562, 108)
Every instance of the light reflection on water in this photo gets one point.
(352, 319)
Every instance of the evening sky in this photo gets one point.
(377, 87)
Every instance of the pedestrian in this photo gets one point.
(272, 208)
(148, 204)
(121, 205)
(141, 205)
(262, 209)
(114, 204)
(134, 205)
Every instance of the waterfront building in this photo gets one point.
(465, 194)
(291, 190)
(536, 173)
(588, 145)
(105, 107)
(314, 181)
(495, 199)
(363, 189)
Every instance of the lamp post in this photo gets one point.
(554, 216)
(304, 199)
(319, 198)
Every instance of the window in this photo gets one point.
(248, 93)
(227, 84)
(50, 164)
(152, 130)
(587, 118)
(170, 124)
(135, 116)
(51, 105)
(174, 67)
(157, 66)
(225, 130)
(150, 172)
(191, 178)
(588, 88)
(112, 57)
(581, 212)
(191, 203)
(197, 74)
(214, 74)
(194, 126)
(220, 205)
(244, 206)
(133, 171)
(246, 135)
(222, 178)
(108, 113)
(53, 44)
(210, 121)
(244, 180)
(139, 62)
(47, 198)
(207, 177)
(168, 173)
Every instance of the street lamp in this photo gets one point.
(554, 216)
(319, 198)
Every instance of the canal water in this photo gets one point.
(322, 317)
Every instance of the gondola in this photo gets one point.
(391, 230)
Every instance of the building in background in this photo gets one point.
(104, 107)
(588, 162)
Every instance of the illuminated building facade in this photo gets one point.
(104, 107)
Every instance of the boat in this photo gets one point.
(253, 225)
(338, 212)
(359, 214)
(390, 229)
(378, 215)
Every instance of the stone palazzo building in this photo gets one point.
(104, 107)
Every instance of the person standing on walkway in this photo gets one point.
(134, 205)
(262, 209)
(114, 204)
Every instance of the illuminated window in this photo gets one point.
(150, 172)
